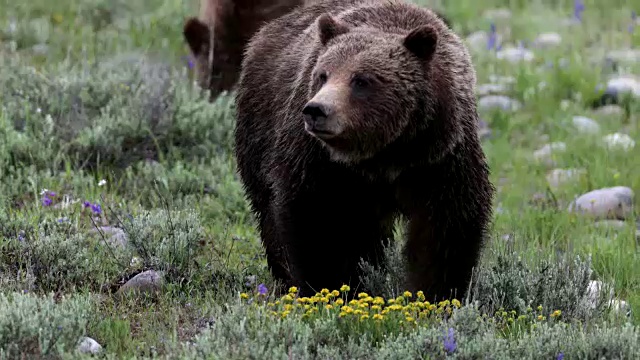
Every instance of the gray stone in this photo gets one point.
(501, 102)
(559, 177)
(115, 236)
(619, 141)
(546, 153)
(515, 54)
(606, 203)
(147, 282)
(610, 111)
(492, 89)
(586, 125)
(89, 346)
(548, 40)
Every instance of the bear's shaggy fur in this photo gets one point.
(350, 114)
(217, 37)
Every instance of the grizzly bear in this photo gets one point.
(218, 36)
(350, 114)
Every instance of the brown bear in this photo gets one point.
(232, 23)
(217, 37)
(351, 113)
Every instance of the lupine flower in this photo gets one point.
(96, 208)
(560, 356)
(262, 289)
(189, 61)
(46, 201)
(86, 204)
(450, 342)
(491, 43)
(578, 8)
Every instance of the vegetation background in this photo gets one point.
(116, 175)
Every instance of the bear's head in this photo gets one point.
(198, 36)
(367, 87)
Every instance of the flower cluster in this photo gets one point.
(401, 309)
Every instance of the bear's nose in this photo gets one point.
(315, 113)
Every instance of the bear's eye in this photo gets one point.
(360, 82)
(322, 78)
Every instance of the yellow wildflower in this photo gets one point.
(342, 314)
(339, 302)
(328, 307)
(353, 302)
(345, 288)
(307, 307)
(362, 295)
(364, 317)
(244, 296)
(539, 307)
(287, 298)
(335, 293)
(540, 317)
(378, 300)
(284, 314)
(420, 295)
(456, 303)
(288, 307)
(375, 307)
(391, 301)
(407, 294)
(378, 317)
(556, 313)
(293, 290)
(324, 291)
(410, 319)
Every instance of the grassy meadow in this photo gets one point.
(117, 175)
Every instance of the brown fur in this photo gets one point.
(394, 88)
(232, 23)
(218, 36)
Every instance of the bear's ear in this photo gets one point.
(196, 33)
(328, 28)
(422, 41)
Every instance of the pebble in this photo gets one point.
(624, 84)
(146, 282)
(606, 203)
(515, 54)
(478, 40)
(559, 177)
(628, 56)
(484, 132)
(115, 236)
(89, 346)
(548, 40)
(502, 102)
(586, 125)
(492, 89)
(546, 153)
(619, 141)
(497, 14)
(610, 110)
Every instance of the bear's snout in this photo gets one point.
(316, 119)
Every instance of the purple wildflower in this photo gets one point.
(96, 208)
(450, 342)
(578, 8)
(46, 201)
(262, 289)
(189, 61)
(560, 356)
(21, 235)
(86, 204)
(491, 43)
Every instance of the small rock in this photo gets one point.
(546, 153)
(595, 294)
(619, 141)
(586, 125)
(491, 102)
(115, 236)
(492, 89)
(147, 282)
(610, 110)
(606, 203)
(558, 177)
(507, 80)
(610, 224)
(514, 54)
(548, 40)
(497, 14)
(620, 306)
(484, 132)
(627, 56)
(89, 346)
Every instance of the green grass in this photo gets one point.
(111, 98)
